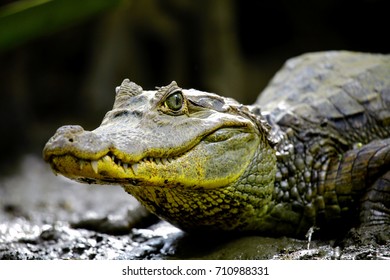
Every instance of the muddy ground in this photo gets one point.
(43, 216)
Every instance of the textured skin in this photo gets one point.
(312, 151)
(332, 110)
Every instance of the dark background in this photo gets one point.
(66, 73)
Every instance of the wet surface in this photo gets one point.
(43, 216)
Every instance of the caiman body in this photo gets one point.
(314, 150)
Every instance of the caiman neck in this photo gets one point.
(239, 206)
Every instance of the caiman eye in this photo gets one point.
(174, 101)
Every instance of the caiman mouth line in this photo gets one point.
(111, 159)
(133, 167)
(114, 166)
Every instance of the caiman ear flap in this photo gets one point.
(128, 88)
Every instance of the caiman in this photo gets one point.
(313, 151)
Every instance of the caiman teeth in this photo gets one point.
(94, 165)
(134, 167)
(81, 164)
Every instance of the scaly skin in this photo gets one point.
(318, 155)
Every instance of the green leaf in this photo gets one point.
(25, 20)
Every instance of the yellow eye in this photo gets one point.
(174, 101)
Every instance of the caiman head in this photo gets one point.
(195, 159)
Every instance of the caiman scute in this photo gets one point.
(312, 152)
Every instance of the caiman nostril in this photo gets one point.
(72, 129)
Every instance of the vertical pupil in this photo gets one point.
(174, 102)
(177, 100)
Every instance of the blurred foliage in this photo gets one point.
(23, 20)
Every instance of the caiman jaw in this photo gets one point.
(96, 170)
(208, 164)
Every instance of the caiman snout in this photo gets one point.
(74, 140)
(69, 133)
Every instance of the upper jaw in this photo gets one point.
(76, 141)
